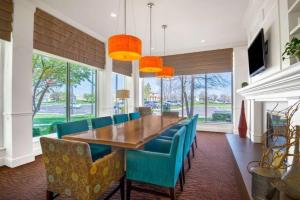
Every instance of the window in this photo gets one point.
(152, 94)
(172, 98)
(61, 92)
(118, 82)
(208, 95)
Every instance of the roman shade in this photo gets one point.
(122, 67)
(6, 18)
(199, 62)
(54, 36)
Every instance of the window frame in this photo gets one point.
(68, 85)
(205, 99)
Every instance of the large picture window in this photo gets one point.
(61, 92)
(118, 83)
(208, 95)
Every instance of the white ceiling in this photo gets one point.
(218, 22)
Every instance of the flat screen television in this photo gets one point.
(256, 54)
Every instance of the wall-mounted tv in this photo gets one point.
(256, 54)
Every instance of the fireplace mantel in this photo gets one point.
(279, 87)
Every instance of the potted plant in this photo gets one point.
(292, 49)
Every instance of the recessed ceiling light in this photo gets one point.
(112, 14)
(152, 48)
(202, 41)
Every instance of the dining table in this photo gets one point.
(132, 134)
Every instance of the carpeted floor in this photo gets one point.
(212, 176)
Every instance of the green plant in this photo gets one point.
(244, 84)
(292, 49)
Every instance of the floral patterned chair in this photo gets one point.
(71, 171)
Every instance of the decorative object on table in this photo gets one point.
(124, 47)
(292, 49)
(244, 84)
(243, 123)
(123, 95)
(167, 71)
(144, 111)
(266, 177)
(150, 63)
(290, 182)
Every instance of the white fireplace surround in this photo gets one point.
(283, 86)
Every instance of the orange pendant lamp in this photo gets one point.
(124, 47)
(151, 64)
(167, 71)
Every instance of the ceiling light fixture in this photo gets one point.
(112, 14)
(124, 47)
(167, 71)
(202, 41)
(151, 64)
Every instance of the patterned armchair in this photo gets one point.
(71, 171)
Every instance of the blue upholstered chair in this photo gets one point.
(194, 133)
(120, 118)
(101, 122)
(135, 115)
(157, 168)
(97, 150)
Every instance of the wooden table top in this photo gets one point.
(130, 135)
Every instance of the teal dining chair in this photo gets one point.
(101, 122)
(157, 168)
(135, 115)
(194, 134)
(120, 118)
(97, 150)
(187, 141)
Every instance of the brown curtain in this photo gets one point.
(122, 67)
(57, 37)
(199, 62)
(6, 19)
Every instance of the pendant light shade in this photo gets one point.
(124, 47)
(167, 72)
(151, 64)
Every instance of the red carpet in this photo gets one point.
(212, 176)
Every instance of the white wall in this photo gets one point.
(271, 15)
(240, 74)
(2, 49)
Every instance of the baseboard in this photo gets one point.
(2, 156)
(9, 162)
(256, 139)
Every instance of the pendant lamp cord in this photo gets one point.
(125, 15)
(150, 6)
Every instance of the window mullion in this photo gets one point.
(205, 104)
(68, 101)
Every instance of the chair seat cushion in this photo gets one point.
(99, 150)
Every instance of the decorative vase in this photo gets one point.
(242, 123)
(262, 178)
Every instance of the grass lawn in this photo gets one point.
(44, 124)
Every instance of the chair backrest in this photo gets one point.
(176, 150)
(170, 113)
(72, 127)
(101, 122)
(188, 136)
(135, 115)
(120, 118)
(144, 111)
(195, 121)
(67, 165)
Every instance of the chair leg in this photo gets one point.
(172, 194)
(128, 189)
(189, 160)
(50, 195)
(196, 141)
(193, 150)
(183, 173)
(122, 189)
(181, 181)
